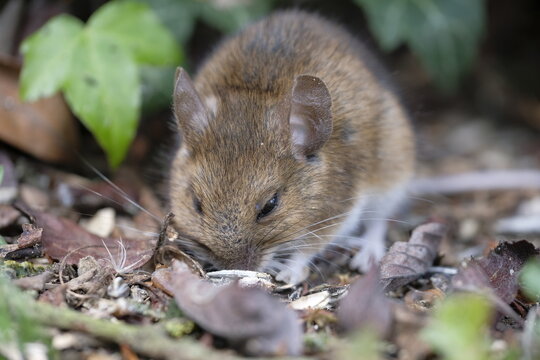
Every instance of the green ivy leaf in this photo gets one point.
(135, 26)
(443, 33)
(459, 328)
(530, 279)
(97, 68)
(104, 92)
(47, 57)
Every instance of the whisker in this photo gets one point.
(118, 189)
(294, 250)
(134, 229)
(99, 194)
(314, 232)
(331, 218)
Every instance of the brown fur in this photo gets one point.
(244, 155)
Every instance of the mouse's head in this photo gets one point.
(247, 177)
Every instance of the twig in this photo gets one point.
(147, 340)
(163, 231)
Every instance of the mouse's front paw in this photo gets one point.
(370, 254)
(293, 274)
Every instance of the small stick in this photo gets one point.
(147, 340)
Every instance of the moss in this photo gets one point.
(179, 327)
(15, 269)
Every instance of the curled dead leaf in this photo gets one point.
(407, 261)
(249, 318)
(30, 236)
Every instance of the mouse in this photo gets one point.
(292, 138)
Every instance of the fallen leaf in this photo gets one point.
(44, 128)
(36, 282)
(407, 261)
(366, 306)
(30, 236)
(498, 271)
(35, 198)
(8, 215)
(63, 239)
(249, 318)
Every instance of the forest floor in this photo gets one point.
(101, 281)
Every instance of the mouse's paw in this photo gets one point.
(370, 254)
(294, 272)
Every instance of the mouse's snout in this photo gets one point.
(239, 256)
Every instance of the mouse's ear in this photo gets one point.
(189, 110)
(310, 119)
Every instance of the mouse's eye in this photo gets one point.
(197, 205)
(268, 207)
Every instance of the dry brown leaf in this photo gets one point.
(407, 261)
(8, 215)
(366, 306)
(30, 236)
(249, 318)
(36, 282)
(63, 239)
(44, 128)
(498, 271)
(36, 198)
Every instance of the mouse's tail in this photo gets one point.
(477, 181)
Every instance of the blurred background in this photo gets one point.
(468, 71)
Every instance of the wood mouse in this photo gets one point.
(291, 139)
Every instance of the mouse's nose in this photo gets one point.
(238, 258)
(239, 263)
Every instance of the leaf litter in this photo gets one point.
(140, 279)
(114, 278)
(135, 273)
